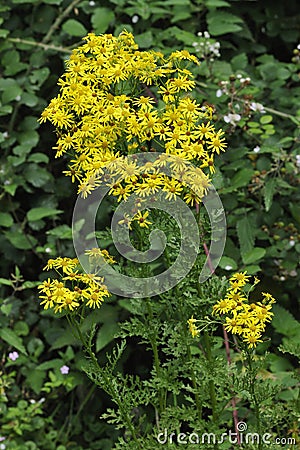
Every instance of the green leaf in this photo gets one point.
(239, 62)
(12, 91)
(11, 188)
(221, 22)
(36, 175)
(39, 76)
(38, 158)
(53, 2)
(106, 335)
(21, 328)
(61, 232)
(241, 178)
(35, 379)
(265, 119)
(216, 4)
(284, 322)
(41, 212)
(245, 236)
(101, 19)
(19, 240)
(227, 263)
(5, 282)
(12, 339)
(52, 364)
(254, 255)
(4, 33)
(295, 210)
(6, 219)
(180, 14)
(269, 190)
(74, 28)
(144, 40)
(28, 138)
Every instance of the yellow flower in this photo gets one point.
(66, 264)
(172, 188)
(209, 162)
(205, 130)
(47, 300)
(222, 307)
(248, 320)
(142, 219)
(192, 327)
(233, 325)
(95, 299)
(180, 83)
(45, 286)
(121, 192)
(236, 285)
(241, 277)
(268, 298)
(252, 339)
(191, 198)
(216, 143)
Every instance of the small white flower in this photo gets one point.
(18, 98)
(298, 160)
(292, 242)
(135, 18)
(219, 93)
(206, 34)
(228, 267)
(199, 34)
(32, 401)
(64, 370)
(48, 250)
(5, 134)
(257, 107)
(256, 149)
(232, 118)
(92, 3)
(13, 356)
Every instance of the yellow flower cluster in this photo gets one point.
(193, 327)
(242, 317)
(73, 288)
(115, 101)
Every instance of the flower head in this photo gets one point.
(64, 369)
(13, 356)
(242, 317)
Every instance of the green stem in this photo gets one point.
(188, 347)
(252, 376)
(59, 20)
(193, 378)
(282, 114)
(211, 385)
(46, 47)
(153, 342)
(110, 388)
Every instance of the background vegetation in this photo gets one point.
(250, 60)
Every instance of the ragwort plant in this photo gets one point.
(116, 101)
